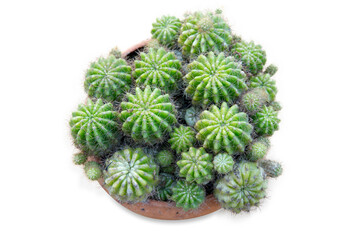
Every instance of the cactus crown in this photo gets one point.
(251, 55)
(264, 81)
(165, 29)
(266, 121)
(182, 139)
(188, 195)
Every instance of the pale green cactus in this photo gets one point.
(253, 100)
(271, 70)
(182, 139)
(158, 68)
(192, 115)
(148, 115)
(265, 82)
(79, 158)
(223, 163)
(224, 129)
(166, 29)
(251, 55)
(214, 79)
(257, 150)
(272, 169)
(188, 195)
(266, 121)
(93, 170)
(108, 78)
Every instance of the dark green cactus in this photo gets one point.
(272, 169)
(253, 100)
(170, 169)
(204, 32)
(271, 70)
(265, 82)
(251, 55)
(188, 195)
(241, 189)
(192, 115)
(266, 121)
(182, 139)
(108, 78)
(166, 29)
(196, 165)
(213, 79)
(130, 175)
(95, 127)
(158, 68)
(223, 163)
(164, 158)
(79, 158)
(148, 115)
(224, 129)
(93, 170)
(164, 188)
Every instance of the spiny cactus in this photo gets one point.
(108, 78)
(130, 175)
(188, 195)
(147, 115)
(158, 68)
(79, 158)
(251, 55)
(182, 139)
(213, 79)
(164, 158)
(93, 170)
(223, 163)
(202, 33)
(272, 169)
(95, 127)
(164, 188)
(253, 100)
(265, 82)
(266, 121)
(271, 70)
(195, 165)
(276, 106)
(224, 129)
(257, 150)
(166, 29)
(192, 115)
(241, 189)
(115, 52)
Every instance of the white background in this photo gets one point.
(45, 49)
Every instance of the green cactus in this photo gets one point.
(271, 70)
(204, 32)
(192, 115)
(223, 163)
(164, 158)
(251, 55)
(188, 195)
(130, 175)
(79, 158)
(108, 78)
(214, 79)
(195, 165)
(272, 169)
(224, 129)
(257, 150)
(158, 68)
(253, 100)
(115, 52)
(164, 188)
(147, 115)
(241, 189)
(95, 127)
(93, 170)
(264, 81)
(266, 121)
(276, 106)
(166, 29)
(182, 139)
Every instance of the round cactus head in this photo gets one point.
(264, 81)
(79, 158)
(214, 79)
(266, 121)
(271, 70)
(108, 78)
(148, 115)
(195, 165)
(252, 56)
(253, 100)
(93, 170)
(164, 158)
(204, 32)
(95, 127)
(188, 195)
(224, 129)
(223, 163)
(192, 116)
(272, 169)
(166, 29)
(164, 188)
(182, 139)
(158, 68)
(130, 175)
(241, 189)
(257, 150)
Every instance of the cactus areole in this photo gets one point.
(179, 126)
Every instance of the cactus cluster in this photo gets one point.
(188, 115)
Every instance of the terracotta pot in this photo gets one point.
(159, 209)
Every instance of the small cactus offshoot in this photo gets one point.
(164, 158)
(79, 158)
(164, 188)
(188, 195)
(223, 163)
(166, 29)
(192, 115)
(272, 169)
(182, 139)
(266, 121)
(271, 70)
(257, 150)
(93, 170)
(148, 115)
(265, 82)
(253, 100)
(251, 55)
